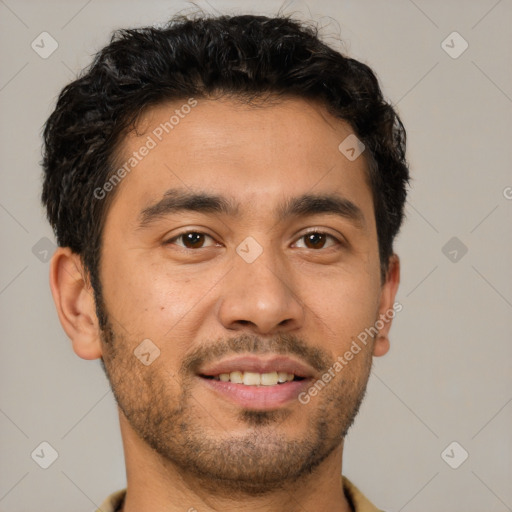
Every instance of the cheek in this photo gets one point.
(342, 308)
(149, 299)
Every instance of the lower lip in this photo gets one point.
(258, 397)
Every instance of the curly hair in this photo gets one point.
(246, 57)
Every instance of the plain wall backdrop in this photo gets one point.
(447, 377)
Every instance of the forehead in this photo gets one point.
(251, 153)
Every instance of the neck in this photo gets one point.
(157, 484)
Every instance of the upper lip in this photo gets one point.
(258, 365)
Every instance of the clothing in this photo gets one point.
(355, 497)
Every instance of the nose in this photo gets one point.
(260, 297)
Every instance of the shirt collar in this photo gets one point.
(357, 500)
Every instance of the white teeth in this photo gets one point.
(252, 379)
(269, 379)
(256, 379)
(236, 377)
(282, 376)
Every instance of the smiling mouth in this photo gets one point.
(252, 390)
(254, 378)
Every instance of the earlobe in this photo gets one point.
(387, 307)
(381, 346)
(75, 303)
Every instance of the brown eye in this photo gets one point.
(190, 240)
(317, 240)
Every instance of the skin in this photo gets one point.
(185, 446)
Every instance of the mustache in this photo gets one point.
(281, 344)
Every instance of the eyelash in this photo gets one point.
(179, 235)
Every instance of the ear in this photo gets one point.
(74, 300)
(387, 307)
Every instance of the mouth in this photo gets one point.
(255, 379)
(257, 384)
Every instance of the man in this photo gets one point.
(225, 192)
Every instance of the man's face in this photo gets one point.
(230, 289)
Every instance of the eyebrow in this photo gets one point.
(180, 200)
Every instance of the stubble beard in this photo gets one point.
(258, 459)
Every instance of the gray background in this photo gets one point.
(448, 375)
